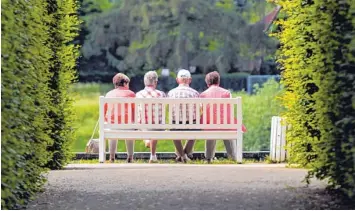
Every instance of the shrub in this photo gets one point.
(258, 109)
(24, 100)
(63, 29)
(317, 55)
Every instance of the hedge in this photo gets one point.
(317, 56)
(64, 28)
(35, 56)
(24, 100)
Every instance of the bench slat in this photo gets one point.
(198, 109)
(219, 113)
(170, 113)
(169, 100)
(163, 113)
(177, 113)
(170, 126)
(171, 135)
(191, 111)
(184, 113)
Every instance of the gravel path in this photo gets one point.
(145, 186)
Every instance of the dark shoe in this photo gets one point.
(191, 157)
(112, 160)
(129, 160)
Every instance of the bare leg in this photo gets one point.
(112, 149)
(153, 147)
(231, 151)
(210, 149)
(130, 148)
(189, 147)
(179, 148)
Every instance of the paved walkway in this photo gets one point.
(175, 186)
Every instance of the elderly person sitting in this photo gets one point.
(183, 91)
(215, 91)
(150, 91)
(121, 83)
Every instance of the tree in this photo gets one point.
(144, 35)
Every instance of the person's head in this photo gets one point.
(120, 80)
(212, 78)
(151, 79)
(183, 77)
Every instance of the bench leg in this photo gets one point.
(239, 148)
(102, 149)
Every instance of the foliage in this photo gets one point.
(63, 28)
(258, 109)
(142, 35)
(24, 100)
(37, 65)
(317, 56)
(257, 112)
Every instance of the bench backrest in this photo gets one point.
(226, 113)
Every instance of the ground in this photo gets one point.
(166, 186)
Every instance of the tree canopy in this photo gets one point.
(140, 35)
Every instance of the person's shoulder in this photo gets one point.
(162, 94)
(110, 93)
(194, 91)
(131, 93)
(226, 92)
(140, 93)
(172, 91)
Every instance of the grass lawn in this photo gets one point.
(257, 112)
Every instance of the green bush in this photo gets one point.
(257, 112)
(24, 100)
(63, 29)
(317, 57)
(37, 67)
(258, 109)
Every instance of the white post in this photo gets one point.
(272, 138)
(278, 139)
(239, 130)
(102, 148)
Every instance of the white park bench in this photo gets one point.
(134, 130)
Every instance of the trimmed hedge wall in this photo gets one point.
(63, 29)
(317, 56)
(24, 100)
(27, 95)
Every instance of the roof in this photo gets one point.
(268, 19)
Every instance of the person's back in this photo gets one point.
(215, 91)
(120, 92)
(150, 91)
(183, 91)
(121, 83)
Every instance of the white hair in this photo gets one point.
(150, 78)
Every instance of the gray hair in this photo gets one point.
(150, 78)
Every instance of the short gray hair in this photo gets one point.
(150, 78)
